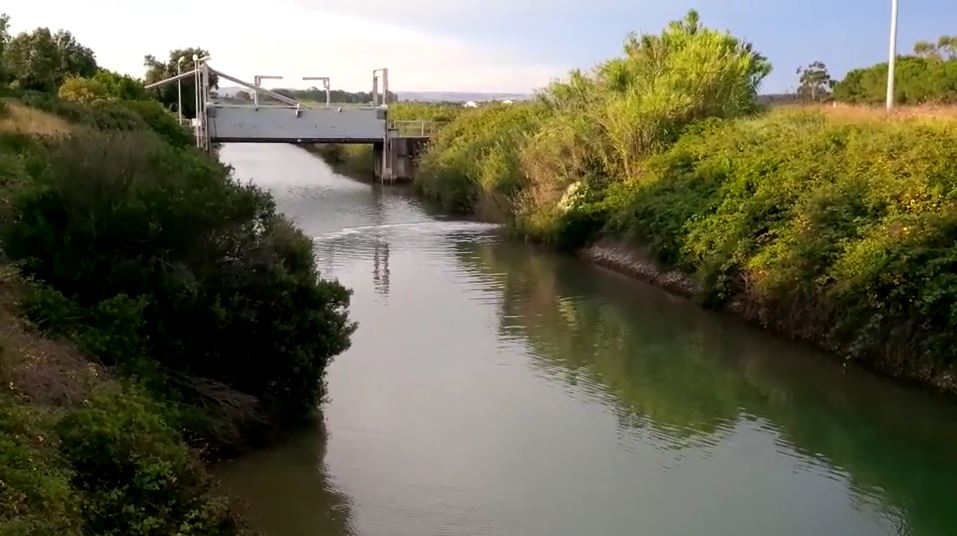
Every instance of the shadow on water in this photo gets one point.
(309, 502)
(689, 378)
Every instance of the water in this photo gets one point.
(496, 389)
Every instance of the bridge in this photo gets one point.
(396, 143)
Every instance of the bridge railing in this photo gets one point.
(415, 129)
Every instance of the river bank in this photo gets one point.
(488, 374)
(157, 315)
(827, 225)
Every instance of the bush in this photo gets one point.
(476, 154)
(918, 81)
(36, 498)
(81, 90)
(154, 246)
(591, 131)
(833, 230)
(160, 121)
(134, 474)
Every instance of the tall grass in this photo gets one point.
(19, 119)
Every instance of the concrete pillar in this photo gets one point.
(377, 150)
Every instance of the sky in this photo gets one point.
(468, 45)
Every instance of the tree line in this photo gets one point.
(926, 76)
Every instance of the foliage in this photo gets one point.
(549, 163)
(944, 49)
(475, 155)
(815, 82)
(120, 86)
(336, 96)
(41, 60)
(919, 80)
(36, 498)
(180, 60)
(227, 289)
(4, 39)
(809, 219)
(160, 121)
(135, 475)
(81, 90)
(421, 111)
(98, 114)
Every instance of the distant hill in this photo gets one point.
(418, 96)
(459, 96)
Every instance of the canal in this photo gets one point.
(496, 389)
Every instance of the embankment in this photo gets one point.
(154, 312)
(832, 226)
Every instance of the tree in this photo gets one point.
(947, 45)
(4, 38)
(41, 60)
(816, 82)
(157, 70)
(75, 59)
(121, 86)
(926, 50)
(32, 60)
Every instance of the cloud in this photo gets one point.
(293, 40)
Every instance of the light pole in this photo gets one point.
(893, 56)
(179, 88)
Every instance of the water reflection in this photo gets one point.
(687, 380)
(493, 389)
(287, 492)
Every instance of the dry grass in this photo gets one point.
(43, 371)
(878, 113)
(21, 119)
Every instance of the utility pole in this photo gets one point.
(891, 62)
(179, 88)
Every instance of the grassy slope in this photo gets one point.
(81, 450)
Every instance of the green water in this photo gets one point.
(496, 389)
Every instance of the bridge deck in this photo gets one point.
(286, 124)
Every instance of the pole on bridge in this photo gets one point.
(278, 96)
(326, 84)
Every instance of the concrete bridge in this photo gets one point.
(396, 143)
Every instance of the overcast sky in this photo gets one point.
(467, 45)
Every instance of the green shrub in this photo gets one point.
(81, 90)
(918, 81)
(160, 121)
(476, 155)
(591, 131)
(36, 498)
(158, 247)
(120, 86)
(101, 115)
(836, 230)
(134, 474)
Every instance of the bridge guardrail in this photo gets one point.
(415, 129)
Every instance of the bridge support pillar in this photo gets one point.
(398, 160)
(378, 152)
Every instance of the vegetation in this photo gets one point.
(929, 76)
(336, 96)
(826, 227)
(816, 83)
(172, 313)
(179, 61)
(42, 60)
